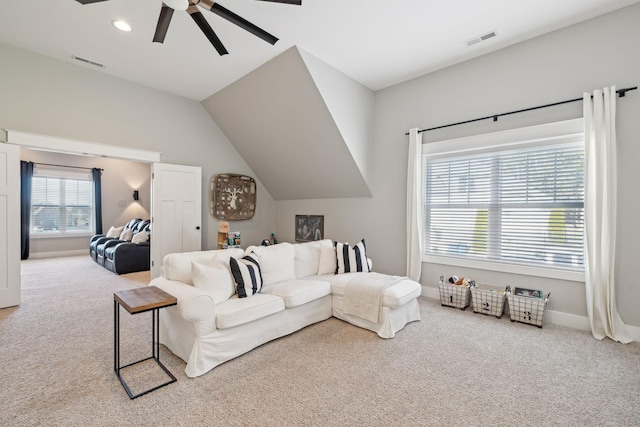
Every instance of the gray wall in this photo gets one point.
(49, 97)
(293, 119)
(558, 66)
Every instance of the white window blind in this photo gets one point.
(61, 202)
(520, 201)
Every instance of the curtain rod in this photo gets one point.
(621, 93)
(64, 166)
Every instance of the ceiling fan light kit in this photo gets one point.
(177, 4)
(192, 8)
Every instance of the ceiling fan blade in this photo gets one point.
(163, 23)
(296, 2)
(241, 22)
(89, 1)
(206, 29)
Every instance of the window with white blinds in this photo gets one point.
(517, 199)
(61, 201)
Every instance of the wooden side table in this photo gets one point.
(140, 300)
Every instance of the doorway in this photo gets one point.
(16, 141)
(120, 178)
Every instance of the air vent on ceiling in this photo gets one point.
(481, 38)
(86, 61)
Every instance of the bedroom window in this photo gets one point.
(514, 199)
(61, 202)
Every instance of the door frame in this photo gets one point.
(10, 292)
(71, 146)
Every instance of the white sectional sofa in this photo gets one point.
(211, 325)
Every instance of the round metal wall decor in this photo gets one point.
(233, 197)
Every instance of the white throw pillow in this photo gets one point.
(177, 266)
(327, 257)
(140, 237)
(115, 231)
(214, 279)
(307, 259)
(350, 260)
(277, 262)
(126, 235)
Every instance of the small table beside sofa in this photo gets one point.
(301, 284)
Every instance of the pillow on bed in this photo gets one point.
(246, 273)
(350, 260)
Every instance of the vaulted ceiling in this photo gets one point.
(299, 111)
(375, 42)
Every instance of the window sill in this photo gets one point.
(574, 276)
(59, 235)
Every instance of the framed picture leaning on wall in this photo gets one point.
(309, 228)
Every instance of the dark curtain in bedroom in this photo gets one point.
(97, 191)
(26, 175)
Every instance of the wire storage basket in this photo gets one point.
(488, 301)
(526, 309)
(458, 296)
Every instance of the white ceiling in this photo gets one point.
(376, 42)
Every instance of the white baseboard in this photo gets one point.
(58, 254)
(634, 332)
(429, 292)
(565, 319)
(556, 317)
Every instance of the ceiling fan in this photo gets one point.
(191, 6)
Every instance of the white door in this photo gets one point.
(176, 211)
(9, 225)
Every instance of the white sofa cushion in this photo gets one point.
(177, 266)
(277, 262)
(214, 278)
(307, 258)
(394, 296)
(298, 292)
(238, 311)
(327, 263)
(246, 273)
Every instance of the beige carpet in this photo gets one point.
(452, 368)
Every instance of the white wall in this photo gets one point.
(44, 96)
(558, 66)
(350, 105)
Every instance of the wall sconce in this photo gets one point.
(136, 196)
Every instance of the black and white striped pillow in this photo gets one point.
(351, 260)
(247, 275)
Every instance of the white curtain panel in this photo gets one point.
(600, 214)
(414, 206)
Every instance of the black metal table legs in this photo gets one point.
(155, 350)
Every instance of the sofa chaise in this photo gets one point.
(301, 284)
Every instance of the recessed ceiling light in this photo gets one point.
(122, 25)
